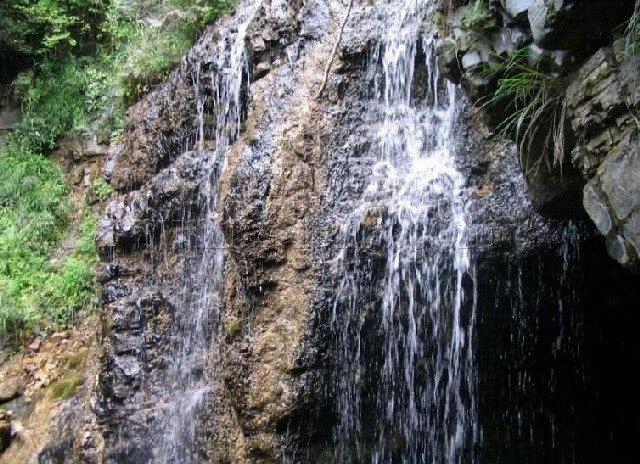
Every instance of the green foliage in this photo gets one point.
(34, 214)
(529, 99)
(72, 283)
(149, 55)
(39, 27)
(632, 34)
(477, 17)
(54, 104)
(143, 53)
(95, 56)
(88, 94)
(66, 387)
(102, 189)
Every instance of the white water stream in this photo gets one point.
(424, 408)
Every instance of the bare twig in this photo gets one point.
(327, 69)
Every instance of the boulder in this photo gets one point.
(11, 388)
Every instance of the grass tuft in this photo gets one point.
(529, 99)
(66, 387)
(632, 33)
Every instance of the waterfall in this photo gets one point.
(404, 312)
(196, 327)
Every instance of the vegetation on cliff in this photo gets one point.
(91, 58)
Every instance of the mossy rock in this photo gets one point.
(66, 387)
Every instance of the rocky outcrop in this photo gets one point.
(595, 83)
(268, 193)
(604, 99)
(297, 166)
(46, 399)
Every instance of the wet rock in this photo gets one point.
(602, 106)
(564, 38)
(517, 7)
(620, 183)
(596, 207)
(299, 163)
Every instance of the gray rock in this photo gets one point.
(620, 176)
(517, 7)
(537, 14)
(471, 59)
(631, 231)
(596, 207)
(617, 248)
(507, 40)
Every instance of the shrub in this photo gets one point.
(39, 27)
(33, 216)
(144, 53)
(72, 283)
(34, 213)
(102, 189)
(477, 17)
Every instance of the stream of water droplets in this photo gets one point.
(195, 339)
(406, 386)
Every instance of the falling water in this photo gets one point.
(220, 93)
(405, 309)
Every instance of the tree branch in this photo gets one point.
(327, 69)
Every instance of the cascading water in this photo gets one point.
(195, 339)
(406, 375)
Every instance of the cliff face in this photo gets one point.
(260, 221)
(270, 186)
(580, 46)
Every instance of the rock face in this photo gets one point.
(271, 186)
(596, 81)
(604, 99)
(297, 165)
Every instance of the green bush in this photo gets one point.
(142, 53)
(95, 56)
(37, 27)
(102, 189)
(72, 283)
(33, 217)
(54, 104)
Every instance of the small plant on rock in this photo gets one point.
(102, 189)
(632, 33)
(477, 17)
(530, 100)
